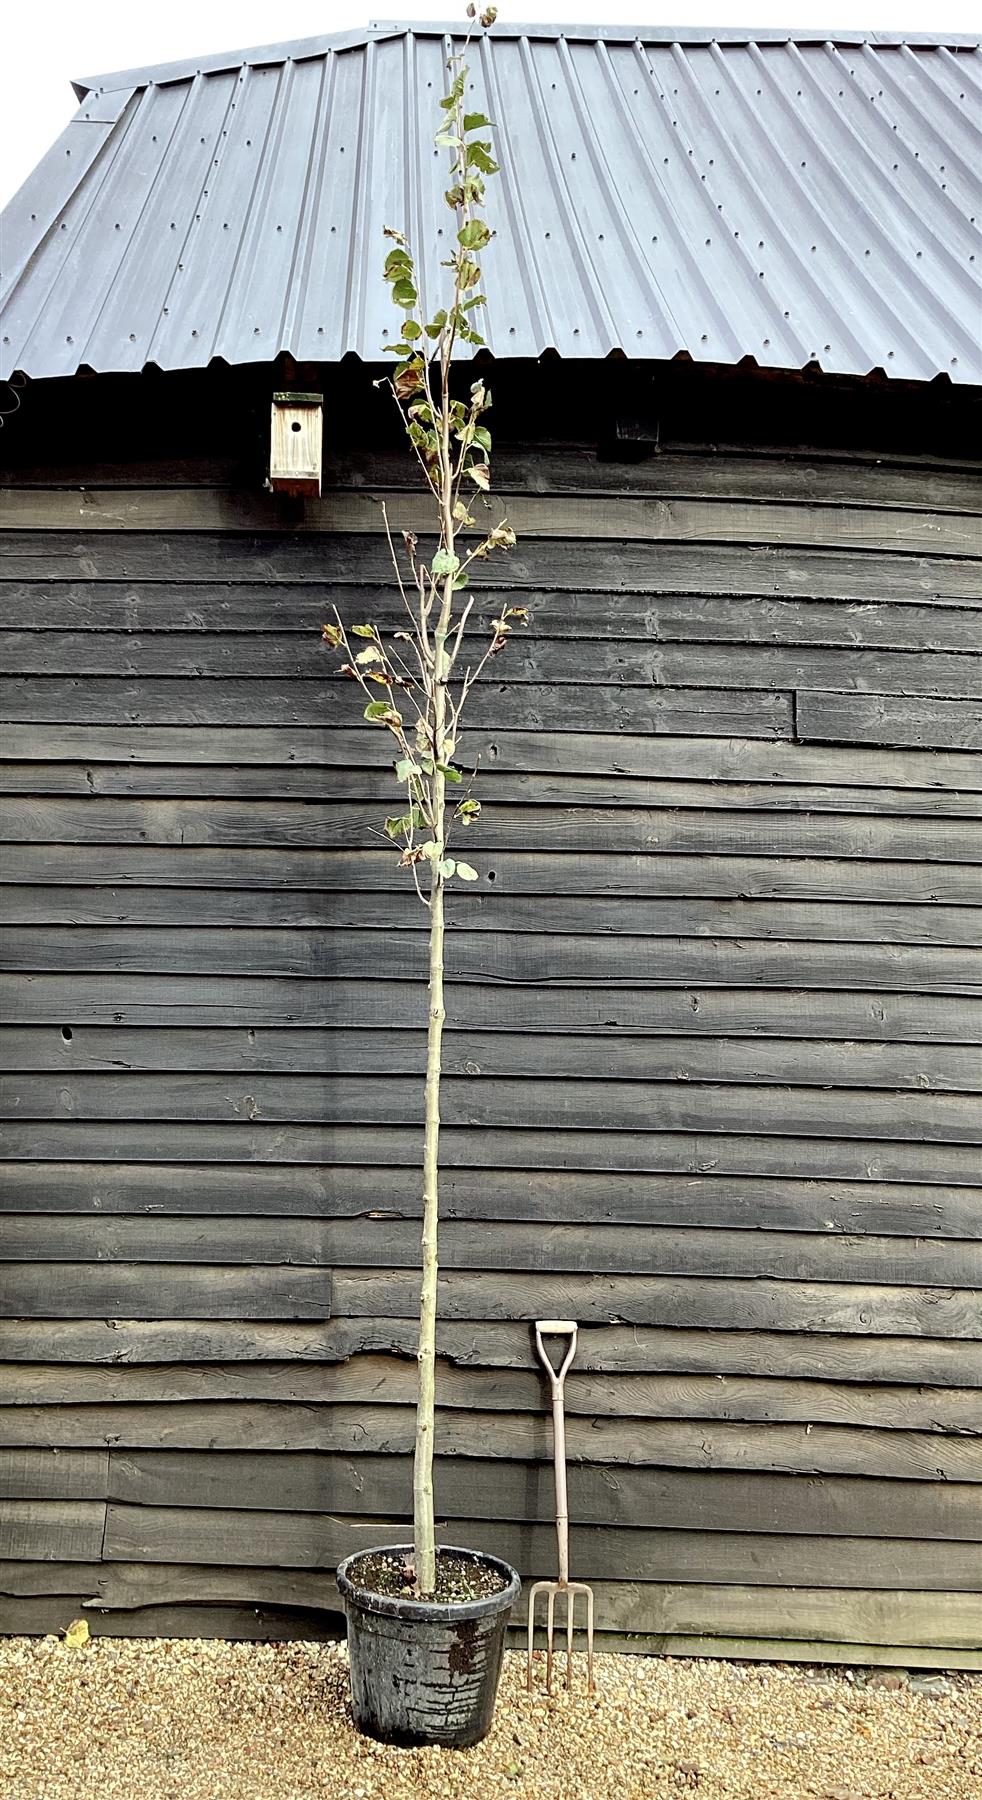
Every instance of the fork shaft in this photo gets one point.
(562, 1502)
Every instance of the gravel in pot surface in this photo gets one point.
(198, 1719)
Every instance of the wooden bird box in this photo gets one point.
(295, 444)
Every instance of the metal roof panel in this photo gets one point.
(794, 198)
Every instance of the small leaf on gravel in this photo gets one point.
(77, 1634)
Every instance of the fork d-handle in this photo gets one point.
(557, 1381)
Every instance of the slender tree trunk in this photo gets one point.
(423, 1518)
(425, 1542)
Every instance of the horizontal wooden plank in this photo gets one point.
(621, 517)
(715, 759)
(799, 1256)
(504, 1344)
(156, 781)
(46, 1616)
(107, 700)
(300, 1243)
(174, 1291)
(682, 1499)
(886, 719)
(33, 1475)
(259, 908)
(380, 1240)
(167, 1000)
(706, 567)
(349, 825)
(373, 1380)
(624, 665)
(122, 1586)
(584, 1197)
(935, 1619)
(147, 1536)
(492, 1055)
(674, 1105)
(647, 1612)
(390, 1430)
(755, 1304)
(52, 1530)
(485, 959)
(283, 871)
(163, 1291)
(814, 1651)
(815, 477)
(816, 1157)
(248, 609)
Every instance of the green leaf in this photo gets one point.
(468, 811)
(483, 437)
(406, 769)
(380, 712)
(461, 578)
(446, 141)
(456, 93)
(479, 154)
(430, 849)
(411, 330)
(453, 775)
(466, 873)
(365, 631)
(396, 826)
(474, 121)
(475, 235)
(445, 563)
(395, 262)
(447, 867)
(404, 292)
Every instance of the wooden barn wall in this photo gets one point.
(713, 1064)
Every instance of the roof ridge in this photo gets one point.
(301, 49)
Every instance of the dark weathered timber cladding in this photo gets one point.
(713, 1060)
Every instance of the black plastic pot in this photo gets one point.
(422, 1673)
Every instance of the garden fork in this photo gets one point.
(557, 1379)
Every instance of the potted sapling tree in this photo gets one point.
(426, 1624)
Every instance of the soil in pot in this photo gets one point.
(426, 1671)
(458, 1578)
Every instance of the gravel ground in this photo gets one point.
(170, 1719)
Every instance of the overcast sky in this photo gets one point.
(47, 42)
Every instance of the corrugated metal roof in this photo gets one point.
(794, 199)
